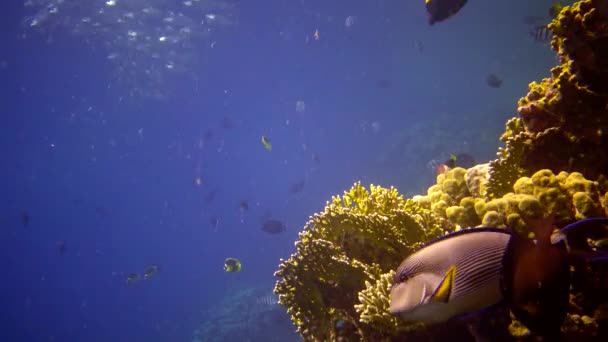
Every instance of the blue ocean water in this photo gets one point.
(131, 153)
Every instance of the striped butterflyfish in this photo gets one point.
(453, 275)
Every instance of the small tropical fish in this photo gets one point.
(133, 278)
(440, 10)
(540, 33)
(62, 247)
(151, 271)
(463, 160)
(267, 300)
(493, 81)
(297, 187)
(266, 143)
(316, 35)
(232, 265)
(25, 218)
(272, 226)
(243, 206)
(214, 222)
(453, 275)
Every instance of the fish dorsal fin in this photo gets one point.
(442, 293)
(465, 231)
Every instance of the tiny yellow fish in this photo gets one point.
(232, 265)
(267, 144)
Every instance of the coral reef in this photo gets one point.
(568, 195)
(359, 236)
(336, 285)
(563, 121)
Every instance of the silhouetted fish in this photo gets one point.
(151, 271)
(440, 10)
(25, 218)
(61, 247)
(493, 81)
(133, 278)
(272, 226)
(297, 187)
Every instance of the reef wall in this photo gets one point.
(336, 285)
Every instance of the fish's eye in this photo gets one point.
(400, 277)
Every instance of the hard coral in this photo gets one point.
(357, 238)
(565, 117)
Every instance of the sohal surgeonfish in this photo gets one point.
(440, 10)
(470, 270)
(456, 274)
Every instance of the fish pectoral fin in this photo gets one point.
(423, 295)
(444, 289)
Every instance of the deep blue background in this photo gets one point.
(74, 160)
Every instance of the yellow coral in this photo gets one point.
(355, 239)
(374, 306)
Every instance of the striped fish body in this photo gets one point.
(454, 275)
(541, 34)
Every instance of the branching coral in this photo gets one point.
(374, 307)
(358, 237)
